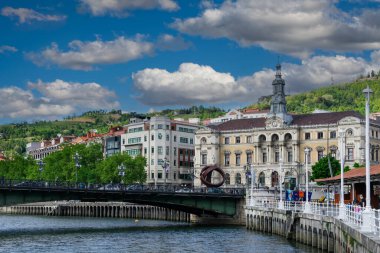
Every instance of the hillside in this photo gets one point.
(13, 137)
(339, 97)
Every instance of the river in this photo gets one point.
(77, 234)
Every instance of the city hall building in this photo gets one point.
(279, 140)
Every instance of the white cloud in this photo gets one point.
(196, 84)
(295, 27)
(120, 8)
(25, 15)
(5, 48)
(169, 42)
(55, 99)
(84, 55)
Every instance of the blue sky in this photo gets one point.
(58, 58)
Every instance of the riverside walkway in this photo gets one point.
(322, 225)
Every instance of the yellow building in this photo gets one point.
(281, 139)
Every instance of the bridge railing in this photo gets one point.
(25, 184)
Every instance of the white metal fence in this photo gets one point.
(353, 214)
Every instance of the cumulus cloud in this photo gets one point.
(196, 84)
(169, 42)
(294, 27)
(25, 15)
(6, 48)
(84, 55)
(120, 8)
(54, 99)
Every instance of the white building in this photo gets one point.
(240, 114)
(164, 143)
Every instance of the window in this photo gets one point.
(134, 130)
(167, 137)
(159, 126)
(262, 179)
(152, 137)
(349, 132)
(204, 159)
(134, 140)
(145, 138)
(159, 175)
(238, 139)
(290, 156)
(238, 178)
(167, 150)
(159, 150)
(152, 162)
(276, 156)
(159, 136)
(249, 158)
(320, 135)
(203, 140)
(191, 141)
(227, 181)
(264, 157)
(307, 136)
(175, 138)
(249, 139)
(123, 141)
(152, 175)
(320, 155)
(183, 140)
(227, 159)
(175, 151)
(133, 152)
(152, 127)
(152, 150)
(145, 151)
(186, 130)
(350, 154)
(175, 162)
(237, 159)
(227, 140)
(332, 135)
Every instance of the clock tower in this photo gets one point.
(278, 114)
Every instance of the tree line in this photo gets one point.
(61, 166)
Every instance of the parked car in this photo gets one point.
(184, 190)
(134, 187)
(110, 187)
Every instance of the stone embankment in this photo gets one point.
(97, 209)
(328, 234)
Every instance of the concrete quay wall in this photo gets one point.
(97, 209)
(325, 233)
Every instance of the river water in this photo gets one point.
(77, 234)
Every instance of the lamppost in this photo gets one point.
(342, 211)
(121, 169)
(40, 164)
(77, 165)
(281, 203)
(307, 205)
(253, 181)
(166, 166)
(367, 213)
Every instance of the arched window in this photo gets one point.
(238, 178)
(203, 140)
(274, 178)
(275, 138)
(262, 179)
(227, 179)
(262, 138)
(288, 137)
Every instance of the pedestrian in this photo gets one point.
(362, 201)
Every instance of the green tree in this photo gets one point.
(321, 168)
(135, 171)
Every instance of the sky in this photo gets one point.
(60, 58)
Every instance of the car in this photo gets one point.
(184, 190)
(110, 187)
(134, 187)
(215, 190)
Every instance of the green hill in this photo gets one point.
(339, 97)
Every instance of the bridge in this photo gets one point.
(201, 202)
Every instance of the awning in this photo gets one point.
(353, 175)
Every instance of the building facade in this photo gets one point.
(40, 150)
(275, 145)
(168, 147)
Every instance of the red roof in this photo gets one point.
(355, 173)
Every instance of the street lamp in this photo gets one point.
(367, 213)
(40, 164)
(281, 203)
(121, 169)
(342, 212)
(77, 165)
(307, 205)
